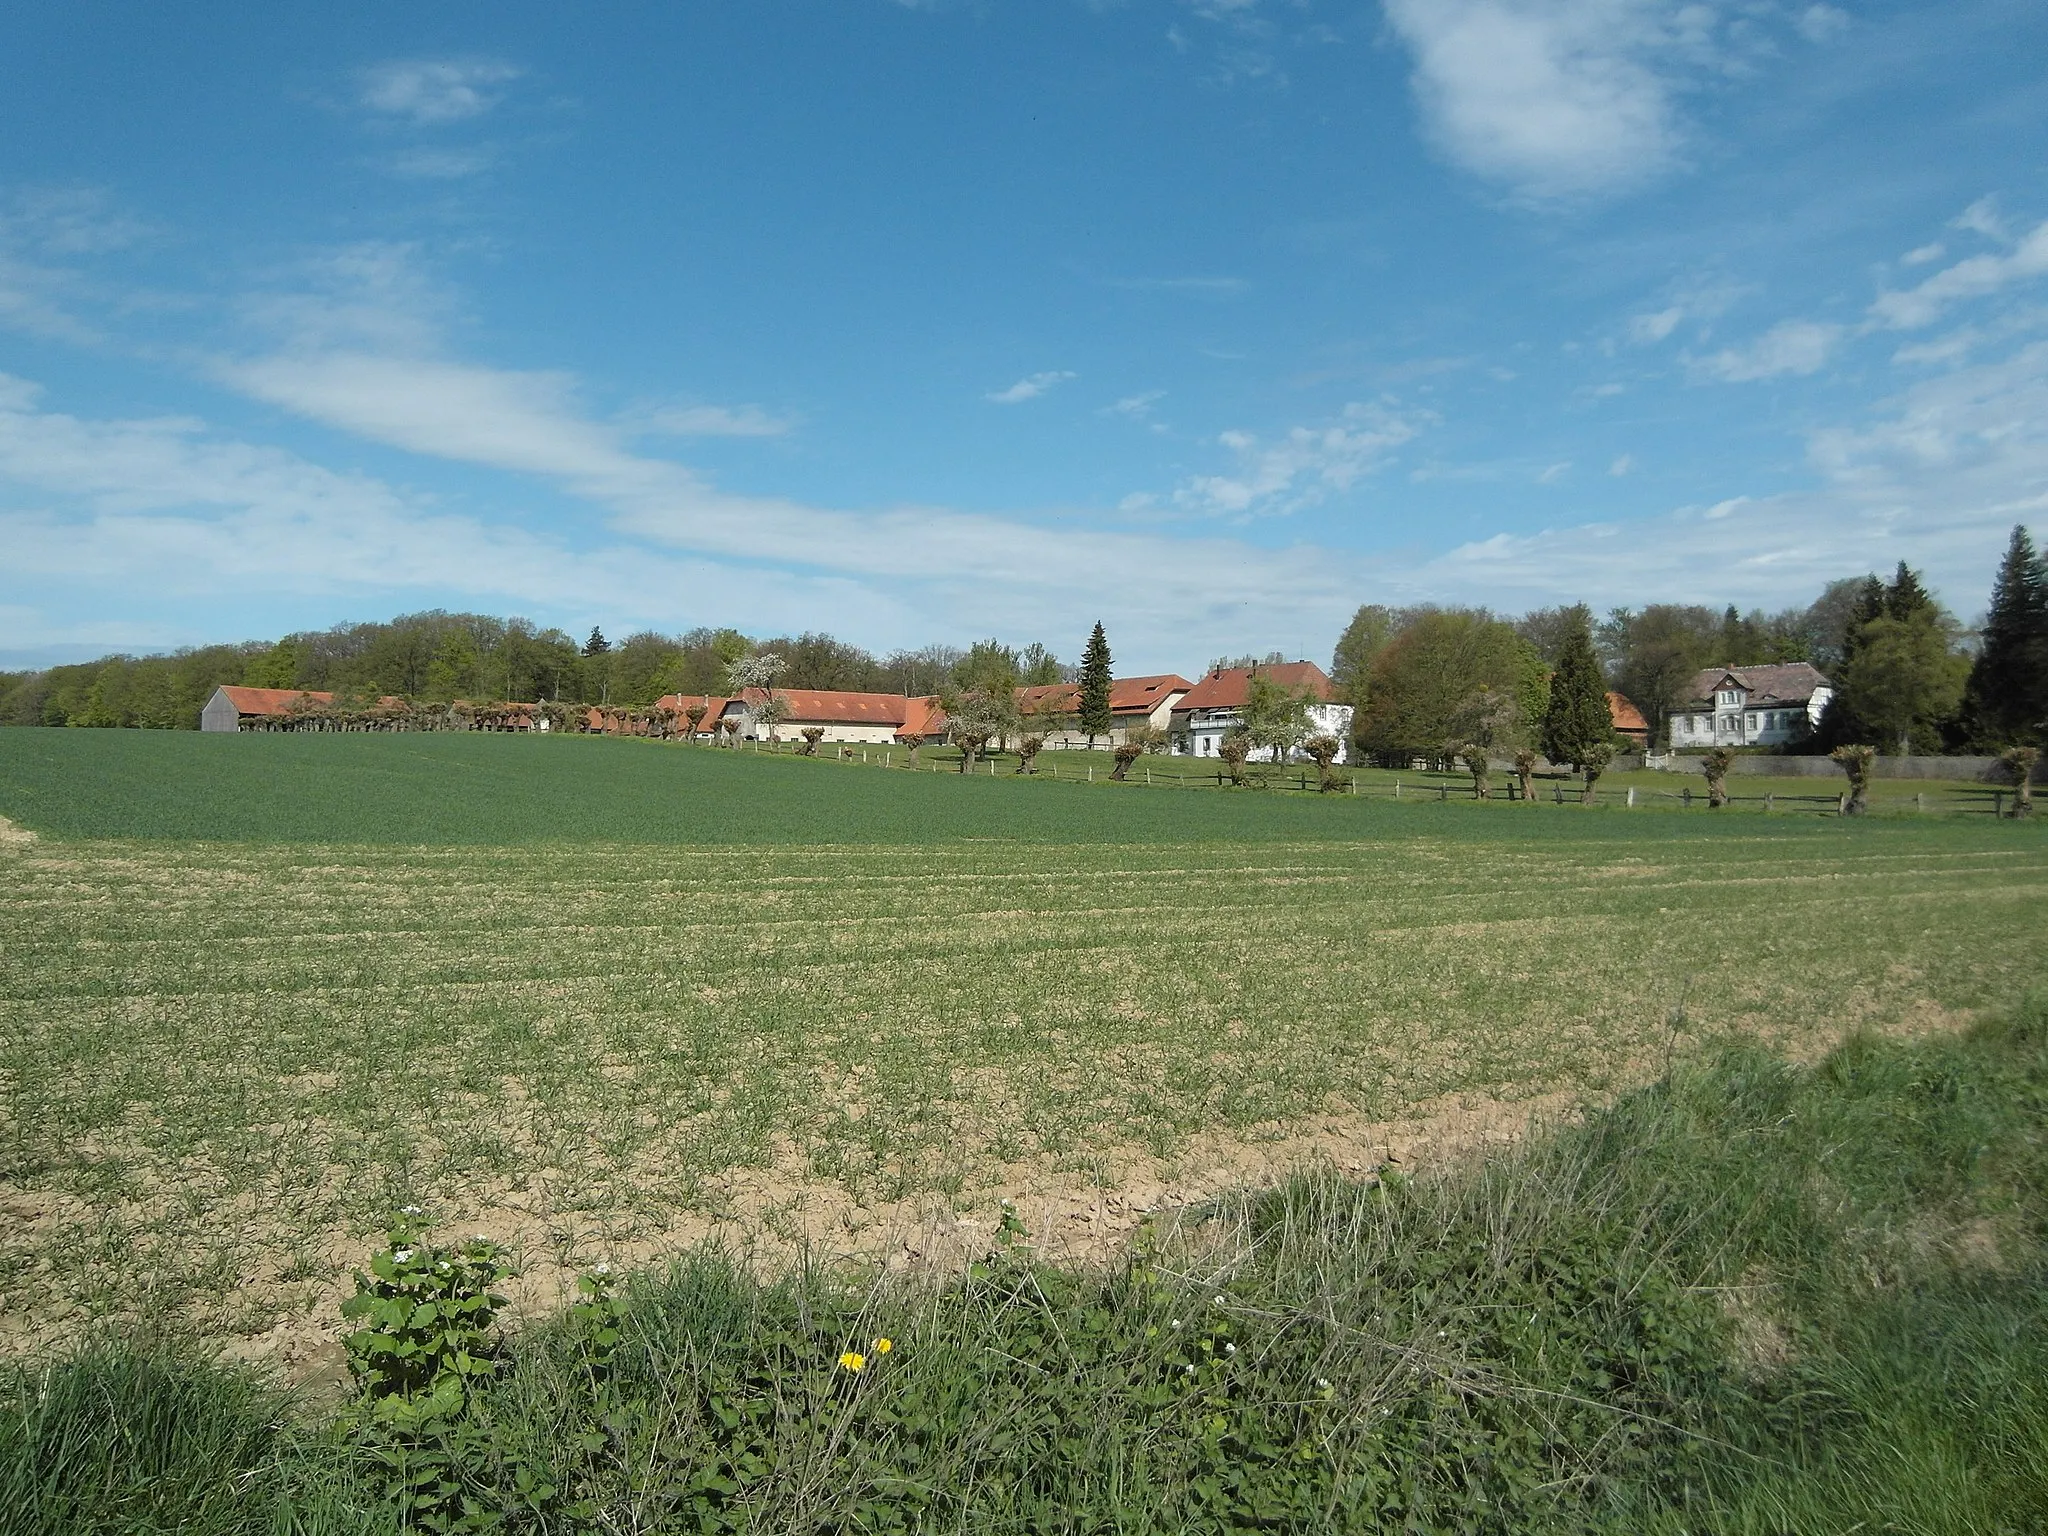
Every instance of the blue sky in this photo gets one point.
(1209, 318)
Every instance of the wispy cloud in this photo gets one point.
(1303, 466)
(433, 91)
(442, 164)
(1136, 407)
(1030, 387)
(1219, 287)
(1790, 347)
(707, 421)
(1974, 277)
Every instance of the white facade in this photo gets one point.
(1735, 713)
(1206, 729)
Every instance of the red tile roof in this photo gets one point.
(270, 701)
(1228, 688)
(1626, 716)
(714, 706)
(1127, 695)
(922, 717)
(280, 701)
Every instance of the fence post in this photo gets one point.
(1997, 803)
(1767, 802)
(1920, 802)
(1397, 789)
(1631, 797)
(1557, 790)
(1091, 773)
(1443, 790)
(1688, 797)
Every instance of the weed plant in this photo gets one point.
(1747, 1298)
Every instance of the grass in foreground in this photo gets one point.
(1747, 1298)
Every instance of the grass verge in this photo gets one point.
(1750, 1297)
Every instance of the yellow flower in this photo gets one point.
(883, 1346)
(854, 1360)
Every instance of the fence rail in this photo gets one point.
(1301, 779)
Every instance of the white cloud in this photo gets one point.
(1971, 278)
(1938, 478)
(433, 91)
(1554, 473)
(707, 421)
(1981, 218)
(1920, 255)
(1621, 466)
(1822, 23)
(1792, 346)
(1029, 388)
(1647, 330)
(442, 164)
(1304, 466)
(1554, 98)
(1137, 407)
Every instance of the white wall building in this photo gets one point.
(1215, 706)
(1750, 706)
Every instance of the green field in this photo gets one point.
(603, 997)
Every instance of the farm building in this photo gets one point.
(1628, 720)
(1215, 706)
(1750, 706)
(255, 709)
(1135, 703)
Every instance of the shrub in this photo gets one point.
(1715, 765)
(1855, 762)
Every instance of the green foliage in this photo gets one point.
(2007, 695)
(1905, 676)
(1371, 627)
(1093, 705)
(1578, 723)
(1424, 682)
(1275, 717)
(1715, 764)
(1855, 761)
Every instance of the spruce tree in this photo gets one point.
(1094, 714)
(1578, 723)
(1905, 596)
(2007, 697)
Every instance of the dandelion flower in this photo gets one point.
(883, 1346)
(854, 1360)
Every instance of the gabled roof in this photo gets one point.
(922, 717)
(715, 705)
(282, 701)
(270, 701)
(823, 706)
(1127, 695)
(1624, 715)
(1228, 687)
(1786, 682)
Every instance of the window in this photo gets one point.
(1752, 722)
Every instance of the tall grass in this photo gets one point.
(1750, 1298)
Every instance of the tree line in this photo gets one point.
(1908, 677)
(437, 657)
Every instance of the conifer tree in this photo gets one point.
(1094, 714)
(1578, 723)
(1905, 596)
(2007, 697)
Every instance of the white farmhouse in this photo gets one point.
(1215, 706)
(1750, 706)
